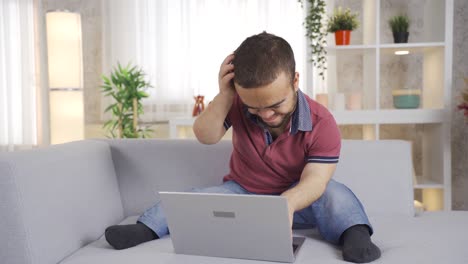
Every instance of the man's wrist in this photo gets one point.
(290, 201)
(228, 95)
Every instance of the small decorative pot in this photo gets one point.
(400, 37)
(406, 98)
(354, 101)
(342, 37)
(322, 98)
(199, 105)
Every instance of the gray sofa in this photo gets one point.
(55, 202)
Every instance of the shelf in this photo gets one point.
(413, 48)
(412, 45)
(175, 122)
(391, 116)
(421, 45)
(182, 121)
(351, 47)
(355, 117)
(427, 184)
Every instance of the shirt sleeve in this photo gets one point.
(230, 118)
(326, 144)
(227, 123)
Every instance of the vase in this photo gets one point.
(322, 98)
(400, 37)
(342, 37)
(354, 101)
(199, 105)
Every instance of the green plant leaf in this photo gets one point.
(124, 84)
(106, 80)
(399, 23)
(342, 20)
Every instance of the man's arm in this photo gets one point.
(209, 125)
(311, 186)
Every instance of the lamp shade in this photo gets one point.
(65, 76)
(64, 49)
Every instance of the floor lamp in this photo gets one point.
(65, 65)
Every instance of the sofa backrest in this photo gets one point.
(378, 172)
(55, 200)
(146, 166)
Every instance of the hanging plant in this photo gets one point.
(126, 85)
(317, 34)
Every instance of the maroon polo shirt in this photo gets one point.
(264, 166)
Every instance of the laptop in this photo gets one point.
(230, 225)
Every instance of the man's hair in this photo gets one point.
(261, 58)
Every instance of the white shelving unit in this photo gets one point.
(176, 123)
(369, 67)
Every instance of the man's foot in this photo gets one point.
(126, 236)
(357, 245)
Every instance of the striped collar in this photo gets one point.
(301, 118)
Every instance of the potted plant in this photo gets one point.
(342, 22)
(399, 25)
(463, 106)
(317, 34)
(126, 85)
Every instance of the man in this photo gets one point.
(284, 143)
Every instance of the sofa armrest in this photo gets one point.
(13, 242)
(55, 200)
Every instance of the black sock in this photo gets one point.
(126, 236)
(357, 245)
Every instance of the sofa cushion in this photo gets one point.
(146, 166)
(430, 238)
(380, 173)
(55, 200)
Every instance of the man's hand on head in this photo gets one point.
(226, 76)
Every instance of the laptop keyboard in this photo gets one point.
(294, 247)
(297, 243)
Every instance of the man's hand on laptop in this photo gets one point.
(291, 211)
(291, 206)
(291, 215)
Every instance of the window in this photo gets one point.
(17, 75)
(180, 44)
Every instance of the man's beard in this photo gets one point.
(285, 118)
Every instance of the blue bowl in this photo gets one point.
(406, 99)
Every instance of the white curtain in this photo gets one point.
(180, 44)
(17, 75)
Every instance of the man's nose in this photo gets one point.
(265, 113)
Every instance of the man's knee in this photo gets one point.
(337, 195)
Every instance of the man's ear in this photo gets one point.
(232, 84)
(235, 85)
(296, 82)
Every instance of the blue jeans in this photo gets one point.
(334, 212)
